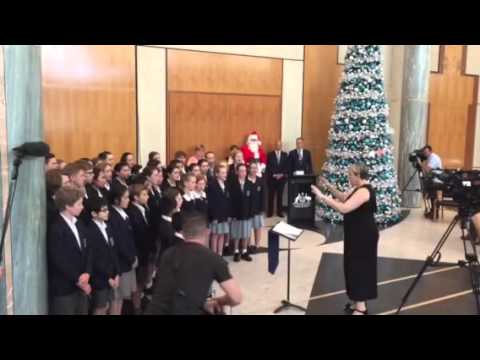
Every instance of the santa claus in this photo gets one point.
(253, 150)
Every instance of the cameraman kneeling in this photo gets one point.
(186, 273)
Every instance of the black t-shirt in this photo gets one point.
(185, 276)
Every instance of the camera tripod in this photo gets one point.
(470, 262)
(405, 189)
(418, 172)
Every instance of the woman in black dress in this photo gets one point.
(361, 236)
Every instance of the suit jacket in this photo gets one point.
(142, 233)
(241, 200)
(296, 164)
(122, 232)
(258, 196)
(66, 261)
(105, 259)
(274, 167)
(85, 217)
(92, 192)
(219, 202)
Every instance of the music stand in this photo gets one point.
(290, 236)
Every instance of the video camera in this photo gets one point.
(414, 155)
(463, 186)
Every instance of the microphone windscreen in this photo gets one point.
(34, 149)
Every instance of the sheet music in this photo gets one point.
(289, 231)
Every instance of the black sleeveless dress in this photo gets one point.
(360, 250)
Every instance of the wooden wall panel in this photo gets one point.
(89, 99)
(321, 83)
(217, 121)
(219, 73)
(452, 109)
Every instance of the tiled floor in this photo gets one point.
(414, 238)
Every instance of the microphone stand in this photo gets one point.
(11, 196)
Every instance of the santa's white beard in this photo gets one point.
(254, 148)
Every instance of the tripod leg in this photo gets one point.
(430, 261)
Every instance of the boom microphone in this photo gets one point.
(33, 149)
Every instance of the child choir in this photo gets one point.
(109, 224)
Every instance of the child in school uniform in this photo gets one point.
(143, 234)
(237, 160)
(122, 232)
(97, 190)
(258, 201)
(218, 197)
(189, 198)
(155, 178)
(166, 235)
(122, 175)
(69, 256)
(173, 176)
(241, 190)
(194, 169)
(201, 205)
(105, 277)
(108, 171)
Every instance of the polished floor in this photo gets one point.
(313, 260)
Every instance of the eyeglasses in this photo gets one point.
(104, 210)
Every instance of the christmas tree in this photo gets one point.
(361, 133)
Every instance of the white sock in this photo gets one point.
(244, 251)
(237, 252)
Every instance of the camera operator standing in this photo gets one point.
(432, 162)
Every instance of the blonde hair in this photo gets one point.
(361, 170)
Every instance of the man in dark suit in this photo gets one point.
(277, 172)
(300, 159)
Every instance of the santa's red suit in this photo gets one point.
(253, 150)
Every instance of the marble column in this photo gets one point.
(24, 123)
(3, 174)
(413, 125)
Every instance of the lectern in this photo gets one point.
(301, 201)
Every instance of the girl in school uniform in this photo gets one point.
(96, 190)
(237, 160)
(201, 205)
(166, 235)
(231, 155)
(130, 160)
(194, 169)
(219, 208)
(155, 178)
(241, 190)
(258, 204)
(173, 176)
(122, 231)
(122, 175)
(108, 171)
(189, 198)
(143, 234)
